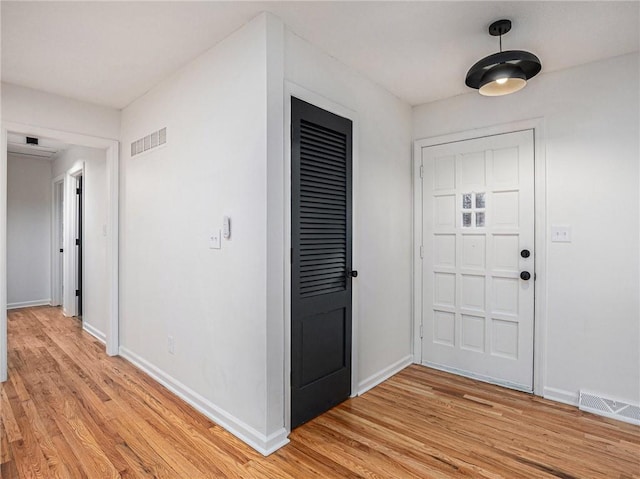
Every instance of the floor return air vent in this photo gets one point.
(610, 408)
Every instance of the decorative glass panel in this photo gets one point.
(466, 201)
(473, 206)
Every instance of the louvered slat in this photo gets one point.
(323, 219)
(325, 203)
(323, 160)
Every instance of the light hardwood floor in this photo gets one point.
(69, 411)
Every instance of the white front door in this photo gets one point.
(478, 248)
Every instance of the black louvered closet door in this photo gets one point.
(321, 261)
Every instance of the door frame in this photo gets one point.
(57, 215)
(112, 157)
(540, 235)
(293, 90)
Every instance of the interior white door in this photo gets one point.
(58, 243)
(478, 243)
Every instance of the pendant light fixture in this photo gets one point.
(504, 72)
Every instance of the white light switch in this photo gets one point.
(561, 234)
(226, 227)
(215, 239)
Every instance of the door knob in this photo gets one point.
(525, 275)
(525, 253)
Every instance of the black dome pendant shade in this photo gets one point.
(504, 72)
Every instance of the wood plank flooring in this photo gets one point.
(70, 411)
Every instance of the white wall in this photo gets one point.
(38, 108)
(383, 200)
(275, 241)
(592, 134)
(211, 302)
(28, 231)
(224, 156)
(95, 273)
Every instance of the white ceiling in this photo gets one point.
(111, 53)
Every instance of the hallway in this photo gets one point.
(70, 411)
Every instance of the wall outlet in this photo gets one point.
(215, 239)
(561, 234)
(171, 345)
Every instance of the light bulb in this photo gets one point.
(501, 81)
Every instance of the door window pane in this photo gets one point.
(473, 210)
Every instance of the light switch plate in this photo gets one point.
(226, 227)
(561, 233)
(215, 239)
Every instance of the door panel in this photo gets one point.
(478, 214)
(321, 258)
(322, 354)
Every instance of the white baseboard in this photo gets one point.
(381, 376)
(28, 304)
(99, 335)
(560, 395)
(260, 442)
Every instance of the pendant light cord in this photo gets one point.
(501, 43)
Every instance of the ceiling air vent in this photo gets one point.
(35, 147)
(149, 142)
